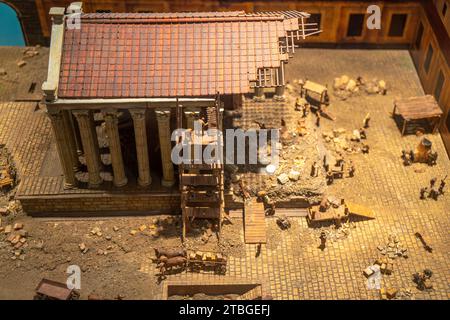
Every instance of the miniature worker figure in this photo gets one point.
(433, 182)
(351, 169)
(258, 250)
(403, 154)
(323, 240)
(365, 148)
(407, 160)
(330, 177)
(324, 205)
(314, 169)
(434, 193)
(318, 118)
(203, 122)
(441, 186)
(411, 155)
(306, 110)
(366, 121)
(433, 158)
(423, 192)
(362, 133)
(270, 204)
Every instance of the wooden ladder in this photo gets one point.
(201, 185)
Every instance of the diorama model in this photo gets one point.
(224, 154)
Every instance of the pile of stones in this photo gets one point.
(16, 236)
(393, 249)
(345, 87)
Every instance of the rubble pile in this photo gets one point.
(16, 236)
(393, 249)
(340, 141)
(31, 52)
(335, 234)
(344, 87)
(8, 171)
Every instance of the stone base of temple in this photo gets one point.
(41, 197)
(101, 204)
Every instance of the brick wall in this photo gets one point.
(101, 204)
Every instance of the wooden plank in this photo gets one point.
(199, 179)
(202, 213)
(254, 222)
(360, 210)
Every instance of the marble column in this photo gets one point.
(163, 119)
(76, 130)
(89, 140)
(259, 94)
(62, 145)
(112, 131)
(140, 133)
(279, 89)
(72, 145)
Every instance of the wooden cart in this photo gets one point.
(340, 214)
(5, 179)
(209, 261)
(53, 290)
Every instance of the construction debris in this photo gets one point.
(3, 72)
(345, 87)
(393, 249)
(389, 293)
(21, 63)
(18, 226)
(83, 248)
(30, 52)
(96, 231)
(283, 178)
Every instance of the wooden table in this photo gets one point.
(418, 108)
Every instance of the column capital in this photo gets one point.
(138, 113)
(162, 115)
(54, 113)
(81, 113)
(111, 115)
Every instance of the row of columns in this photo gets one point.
(67, 146)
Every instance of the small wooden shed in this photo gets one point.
(414, 109)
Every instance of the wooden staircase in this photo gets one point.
(201, 185)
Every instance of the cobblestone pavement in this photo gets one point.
(291, 263)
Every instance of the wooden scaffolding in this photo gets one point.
(201, 184)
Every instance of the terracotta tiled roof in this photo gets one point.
(169, 54)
